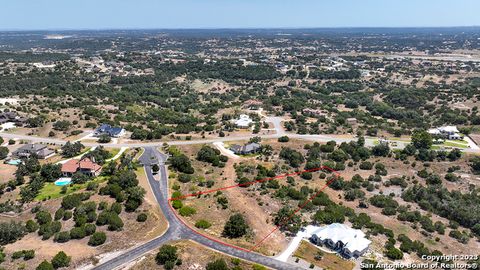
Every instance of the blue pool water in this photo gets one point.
(63, 181)
(14, 162)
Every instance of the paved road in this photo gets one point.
(369, 142)
(177, 230)
(280, 132)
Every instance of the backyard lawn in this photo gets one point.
(52, 191)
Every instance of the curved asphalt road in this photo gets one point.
(177, 230)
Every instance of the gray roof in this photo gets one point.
(247, 148)
(45, 152)
(252, 147)
(31, 148)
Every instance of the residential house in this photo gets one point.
(11, 117)
(106, 129)
(244, 121)
(348, 242)
(246, 149)
(447, 132)
(85, 166)
(39, 150)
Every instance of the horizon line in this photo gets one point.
(231, 28)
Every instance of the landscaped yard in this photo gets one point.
(52, 191)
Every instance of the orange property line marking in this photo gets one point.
(250, 183)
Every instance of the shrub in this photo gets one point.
(366, 165)
(283, 139)
(92, 186)
(59, 213)
(116, 207)
(17, 255)
(219, 264)
(132, 205)
(11, 232)
(177, 204)
(115, 223)
(235, 227)
(167, 254)
(307, 175)
(187, 211)
(61, 260)
(62, 237)
(71, 201)
(28, 254)
(31, 226)
(43, 217)
(184, 178)
(45, 265)
(142, 217)
(104, 138)
(97, 239)
(77, 232)
(90, 229)
(202, 224)
(56, 226)
(394, 253)
(67, 215)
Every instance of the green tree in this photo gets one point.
(394, 253)
(97, 239)
(61, 260)
(155, 168)
(287, 220)
(31, 226)
(11, 232)
(3, 152)
(421, 139)
(104, 138)
(45, 265)
(167, 256)
(235, 227)
(475, 164)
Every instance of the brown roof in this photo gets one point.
(74, 165)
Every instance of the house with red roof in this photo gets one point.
(85, 166)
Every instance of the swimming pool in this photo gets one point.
(63, 181)
(14, 162)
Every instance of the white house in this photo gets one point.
(346, 241)
(449, 132)
(244, 121)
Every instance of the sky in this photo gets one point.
(148, 14)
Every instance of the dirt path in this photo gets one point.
(255, 215)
